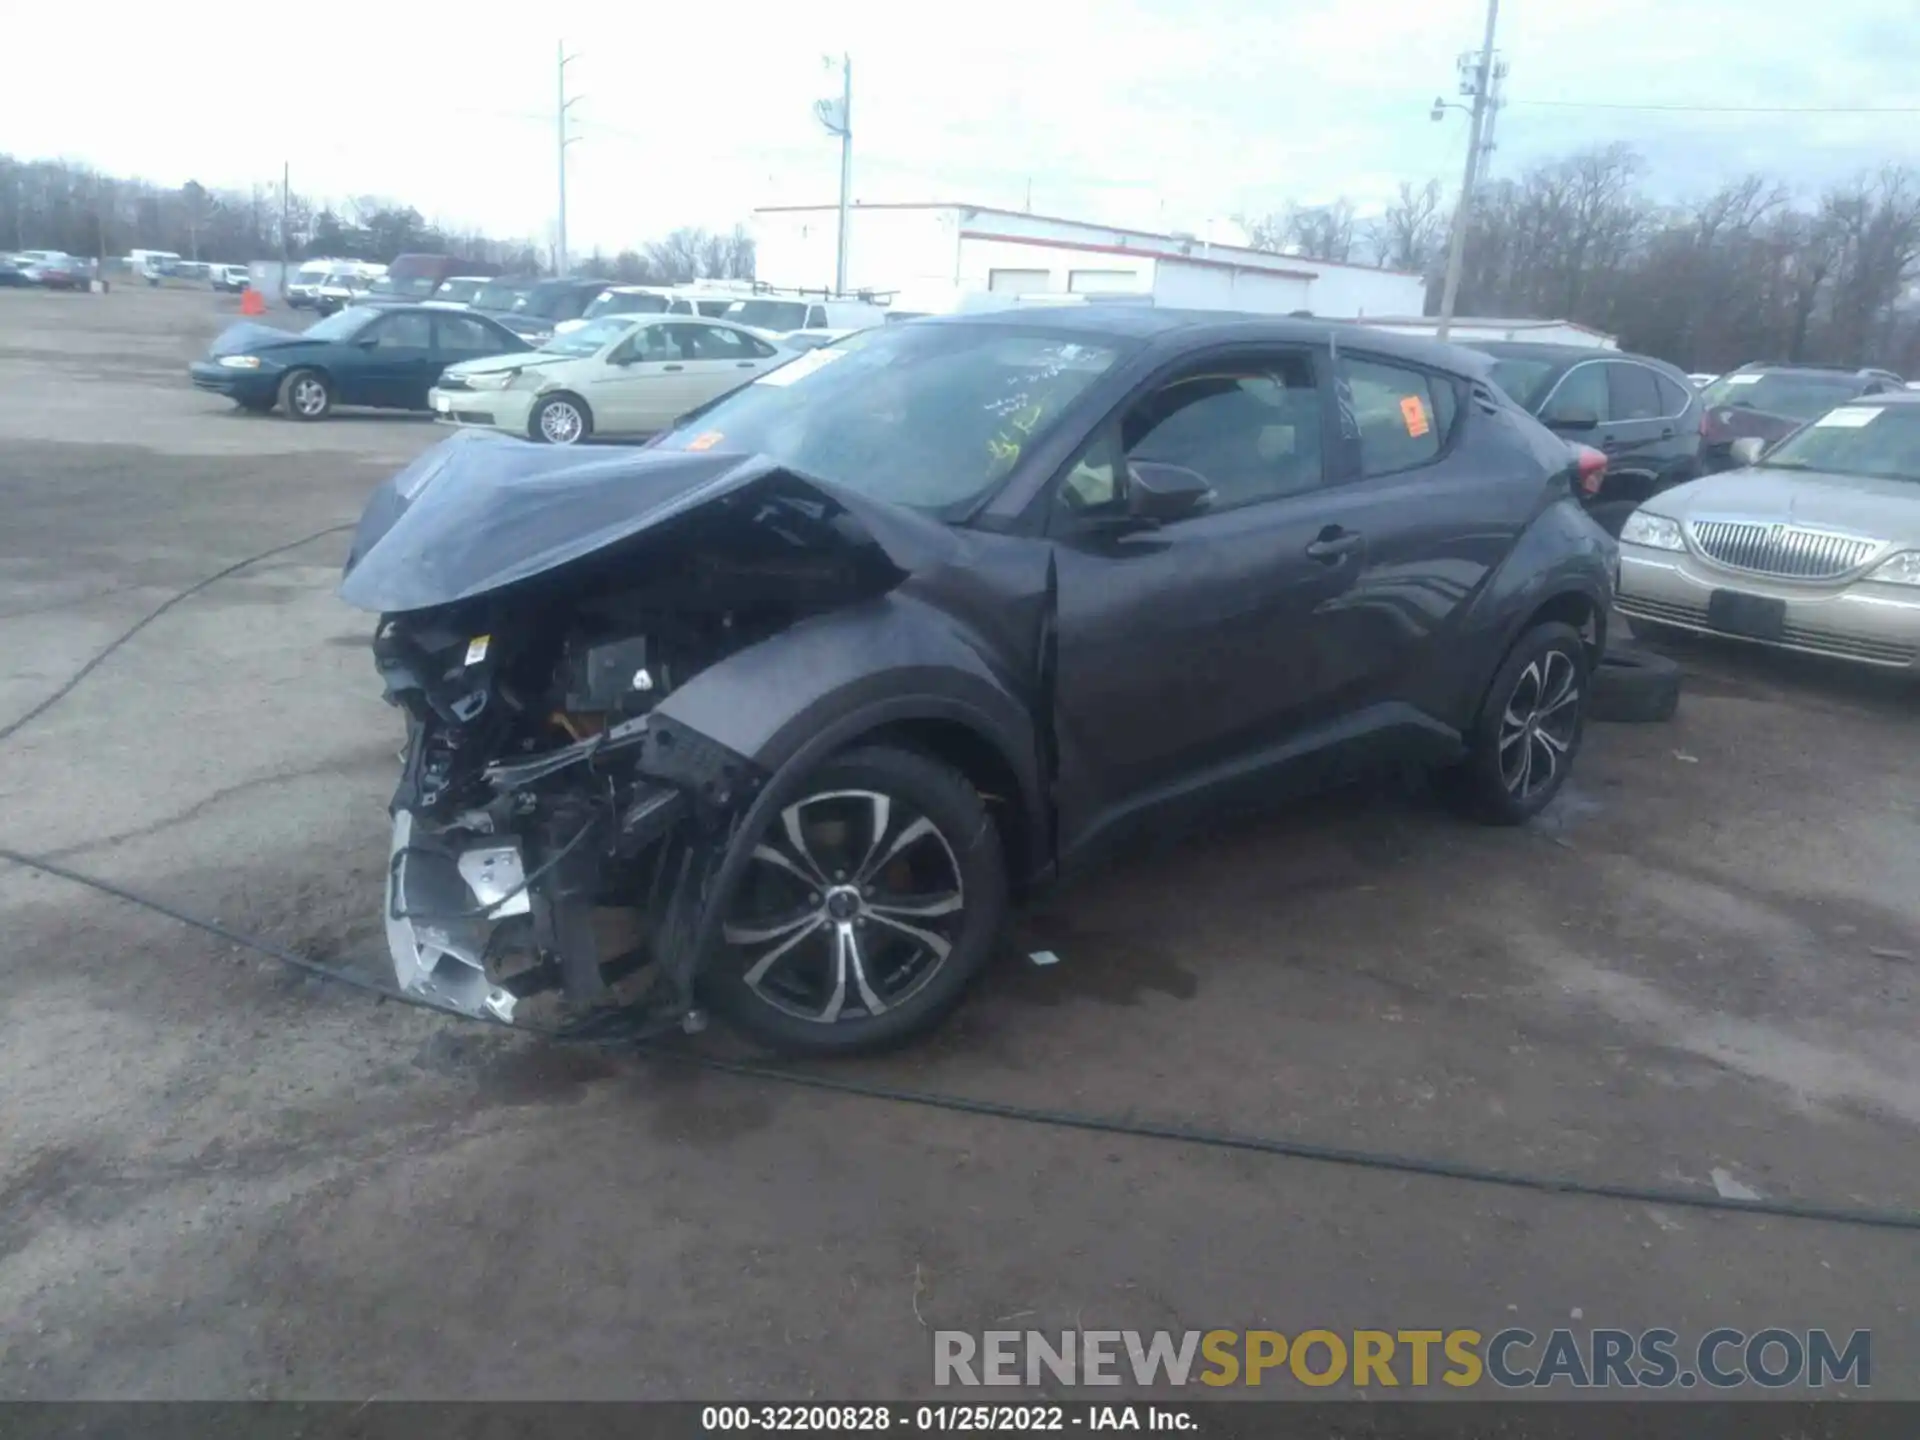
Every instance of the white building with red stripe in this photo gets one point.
(923, 248)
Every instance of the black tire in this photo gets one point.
(1495, 783)
(793, 1006)
(306, 395)
(560, 415)
(1634, 685)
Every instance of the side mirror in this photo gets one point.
(1747, 450)
(1160, 493)
(1571, 417)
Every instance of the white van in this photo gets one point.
(303, 288)
(651, 300)
(782, 315)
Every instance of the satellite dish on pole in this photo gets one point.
(832, 113)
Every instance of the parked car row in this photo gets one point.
(46, 269)
(620, 375)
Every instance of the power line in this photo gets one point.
(1729, 109)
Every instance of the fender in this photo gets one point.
(791, 700)
(1561, 553)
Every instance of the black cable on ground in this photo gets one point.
(1061, 1119)
(9, 730)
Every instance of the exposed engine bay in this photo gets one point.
(543, 791)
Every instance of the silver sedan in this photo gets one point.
(1813, 545)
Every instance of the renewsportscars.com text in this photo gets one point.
(1513, 1358)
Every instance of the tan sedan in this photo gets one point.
(1812, 545)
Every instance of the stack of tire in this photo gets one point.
(1634, 685)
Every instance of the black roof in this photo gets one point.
(1222, 327)
(1546, 350)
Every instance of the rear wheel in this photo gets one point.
(871, 900)
(306, 395)
(1523, 744)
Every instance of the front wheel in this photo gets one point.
(561, 420)
(1523, 744)
(306, 395)
(871, 900)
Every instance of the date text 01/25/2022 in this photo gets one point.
(960, 1418)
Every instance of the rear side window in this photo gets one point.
(1405, 415)
(817, 318)
(1634, 392)
(1674, 397)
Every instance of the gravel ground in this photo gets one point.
(218, 1180)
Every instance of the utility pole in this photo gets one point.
(837, 116)
(286, 208)
(1462, 213)
(560, 118)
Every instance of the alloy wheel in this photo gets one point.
(309, 396)
(560, 422)
(1539, 724)
(852, 904)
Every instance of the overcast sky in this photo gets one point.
(1152, 113)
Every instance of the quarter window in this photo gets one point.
(1404, 415)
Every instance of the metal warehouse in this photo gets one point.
(900, 247)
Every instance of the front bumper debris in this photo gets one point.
(438, 918)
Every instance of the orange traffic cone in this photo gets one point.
(251, 302)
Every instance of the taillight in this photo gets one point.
(1592, 467)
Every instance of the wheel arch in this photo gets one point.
(890, 670)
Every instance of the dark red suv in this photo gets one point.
(1772, 401)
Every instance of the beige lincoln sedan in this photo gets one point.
(1812, 545)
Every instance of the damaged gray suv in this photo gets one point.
(779, 713)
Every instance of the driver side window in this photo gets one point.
(1250, 427)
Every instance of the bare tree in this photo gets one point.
(1411, 232)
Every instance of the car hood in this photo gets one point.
(479, 512)
(512, 360)
(247, 338)
(1856, 504)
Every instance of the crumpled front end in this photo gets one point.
(555, 833)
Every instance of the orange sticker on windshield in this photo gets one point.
(1415, 414)
(706, 440)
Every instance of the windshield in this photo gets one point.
(620, 302)
(590, 338)
(500, 294)
(341, 325)
(1525, 381)
(928, 416)
(460, 291)
(1802, 397)
(417, 287)
(1882, 441)
(768, 314)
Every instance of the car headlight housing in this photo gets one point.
(1901, 569)
(491, 380)
(240, 362)
(1655, 532)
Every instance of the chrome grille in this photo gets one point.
(1783, 550)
